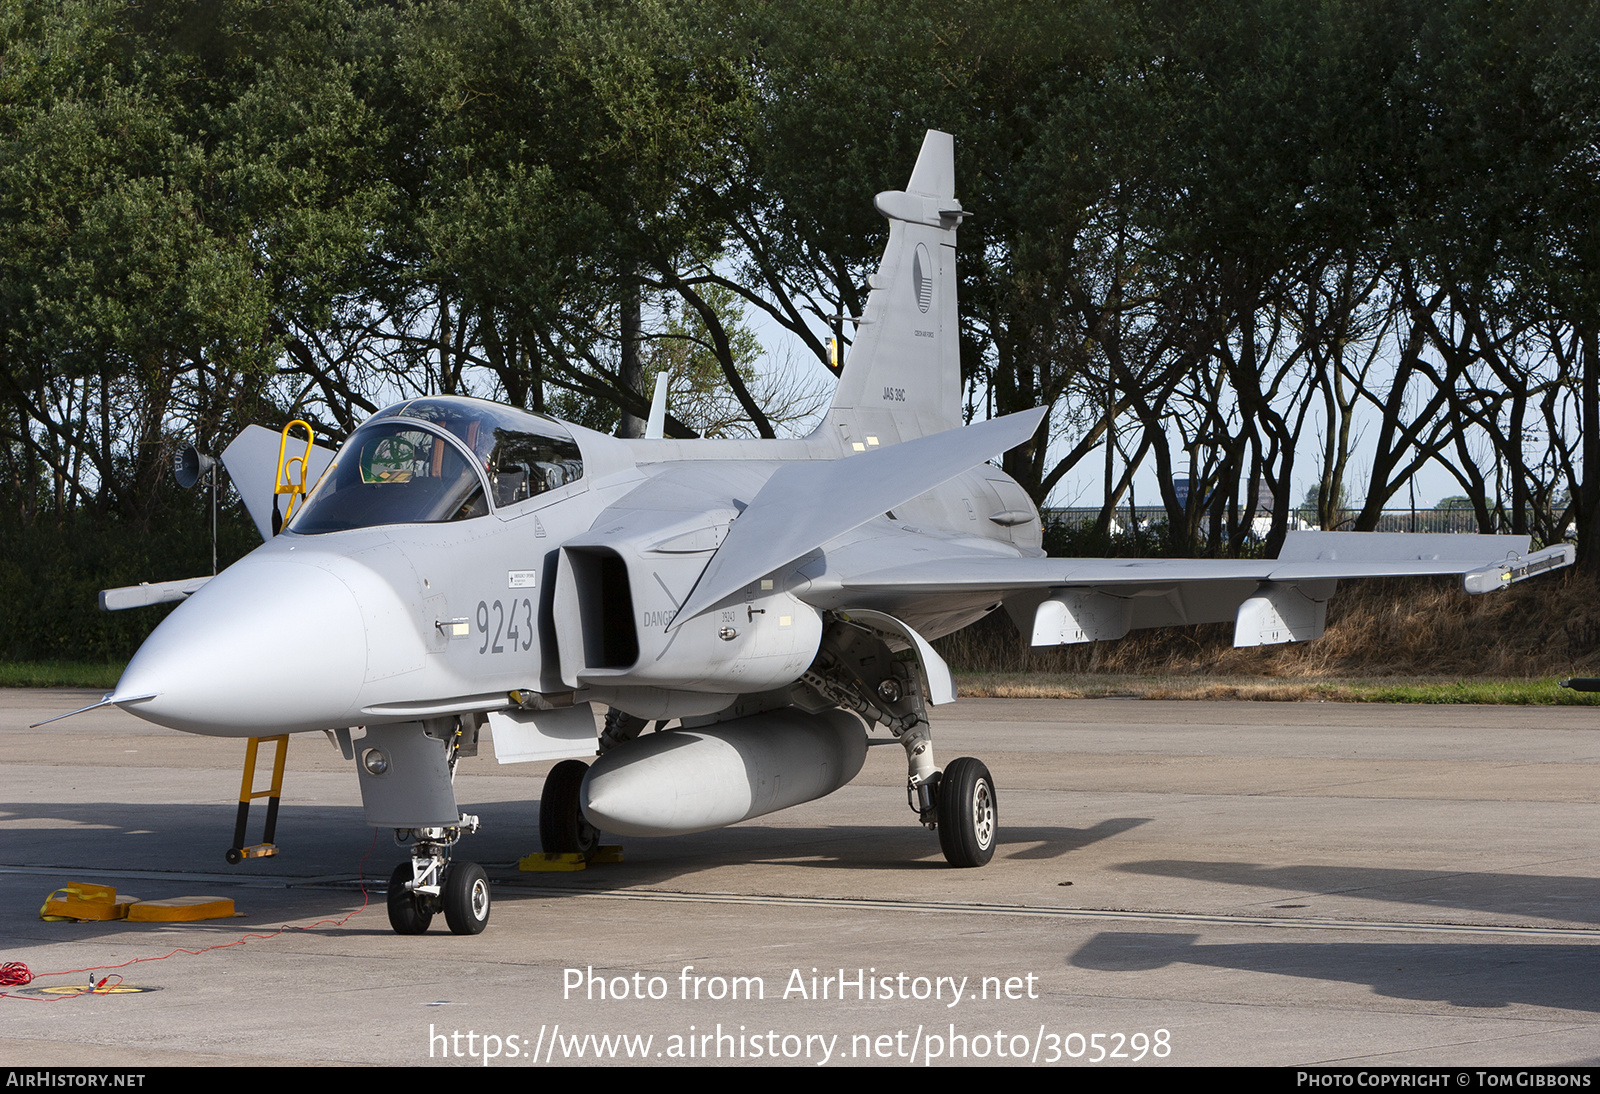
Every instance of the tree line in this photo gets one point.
(1211, 237)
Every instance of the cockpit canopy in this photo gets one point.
(439, 459)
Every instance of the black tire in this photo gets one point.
(969, 813)
(465, 895)
(406, 913)
(234, 856)
(562, 827)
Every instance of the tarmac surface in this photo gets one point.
(1177, 883)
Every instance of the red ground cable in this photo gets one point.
(16, 974)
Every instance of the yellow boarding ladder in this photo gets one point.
(286, 481)
(247, 792)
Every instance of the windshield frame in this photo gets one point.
(352, 446)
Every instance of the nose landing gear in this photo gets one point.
(431, 883)
(466, 898)
(409, 912)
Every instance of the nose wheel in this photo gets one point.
(409, 912)
(466, 898)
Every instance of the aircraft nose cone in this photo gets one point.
(268, 646)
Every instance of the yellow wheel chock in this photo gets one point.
(564, 862)
(86, 902)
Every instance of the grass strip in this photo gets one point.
(59, 674)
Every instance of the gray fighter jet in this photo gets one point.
(463, 564)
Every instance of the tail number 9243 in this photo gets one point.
(505, 626)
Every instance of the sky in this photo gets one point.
(1084, 485)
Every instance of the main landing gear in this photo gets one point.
(431, 883)
(968, 813)
(563, 829)
(960, 802)
(858, 670)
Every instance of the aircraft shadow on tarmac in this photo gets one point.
(321, 843)
(1463, 974)
(1054, 842)
(1557, 897)
(850, 847)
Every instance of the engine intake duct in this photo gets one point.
(594, 598)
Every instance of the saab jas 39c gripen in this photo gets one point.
(469, 564)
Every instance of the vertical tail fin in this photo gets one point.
(902, 378)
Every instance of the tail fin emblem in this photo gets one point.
(922, 278)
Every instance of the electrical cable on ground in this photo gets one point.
(16, 974)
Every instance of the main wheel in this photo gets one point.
(969, 814)
(407, 914)
(562, 827)
(465, 895)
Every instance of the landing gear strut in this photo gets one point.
(959, 802)
(857, 669)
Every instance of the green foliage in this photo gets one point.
(1063, 539)
(697, 394)
(1195, 225)
(548, 158)
(51, 576)
(182, 187)
(1310, 502)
